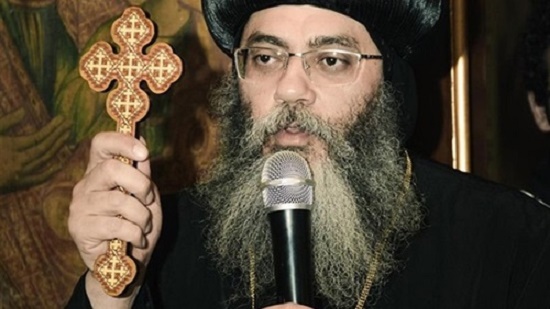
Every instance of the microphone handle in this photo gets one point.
(291, 238)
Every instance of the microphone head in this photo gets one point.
(286, 182)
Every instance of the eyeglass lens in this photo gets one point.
(324, 67)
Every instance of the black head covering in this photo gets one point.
(396, 26)
(536, 43)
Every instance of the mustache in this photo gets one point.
(297, 116)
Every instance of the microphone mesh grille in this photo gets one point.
(287, 167)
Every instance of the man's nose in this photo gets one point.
(294, 85)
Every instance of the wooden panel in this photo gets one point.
(431, 64)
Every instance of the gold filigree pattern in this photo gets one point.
(127, 104)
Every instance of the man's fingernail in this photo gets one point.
(140, 152)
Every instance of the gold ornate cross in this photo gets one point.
(127, 104)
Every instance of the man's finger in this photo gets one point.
(107, 145)
(11, 119)
(112, 173)
(46, 134)
(36, 178)
(116, 203)
(41, 154)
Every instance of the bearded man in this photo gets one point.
(326, 80)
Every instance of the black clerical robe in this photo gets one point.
(540, 181)
(483, 246)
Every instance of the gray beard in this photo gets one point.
(360, 199)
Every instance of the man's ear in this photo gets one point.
(539, 112)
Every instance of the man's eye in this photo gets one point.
(330, 61)
(333, 63)
(263, 58)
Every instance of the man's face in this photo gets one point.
(299, 29)
(347, 133)
(539, 109)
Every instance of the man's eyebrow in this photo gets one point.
(259, 37)
(317, 42)
(342, 40)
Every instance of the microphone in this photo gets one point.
(288, 196)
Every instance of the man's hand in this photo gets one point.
(100, 212)
(30, 160)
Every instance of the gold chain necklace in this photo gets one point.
(373, 267)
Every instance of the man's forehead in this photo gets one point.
(316, 26)
(342, 40)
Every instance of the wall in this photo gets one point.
(507, 145)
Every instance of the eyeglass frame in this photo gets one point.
(305, 65)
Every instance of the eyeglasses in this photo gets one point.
(325, 67)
